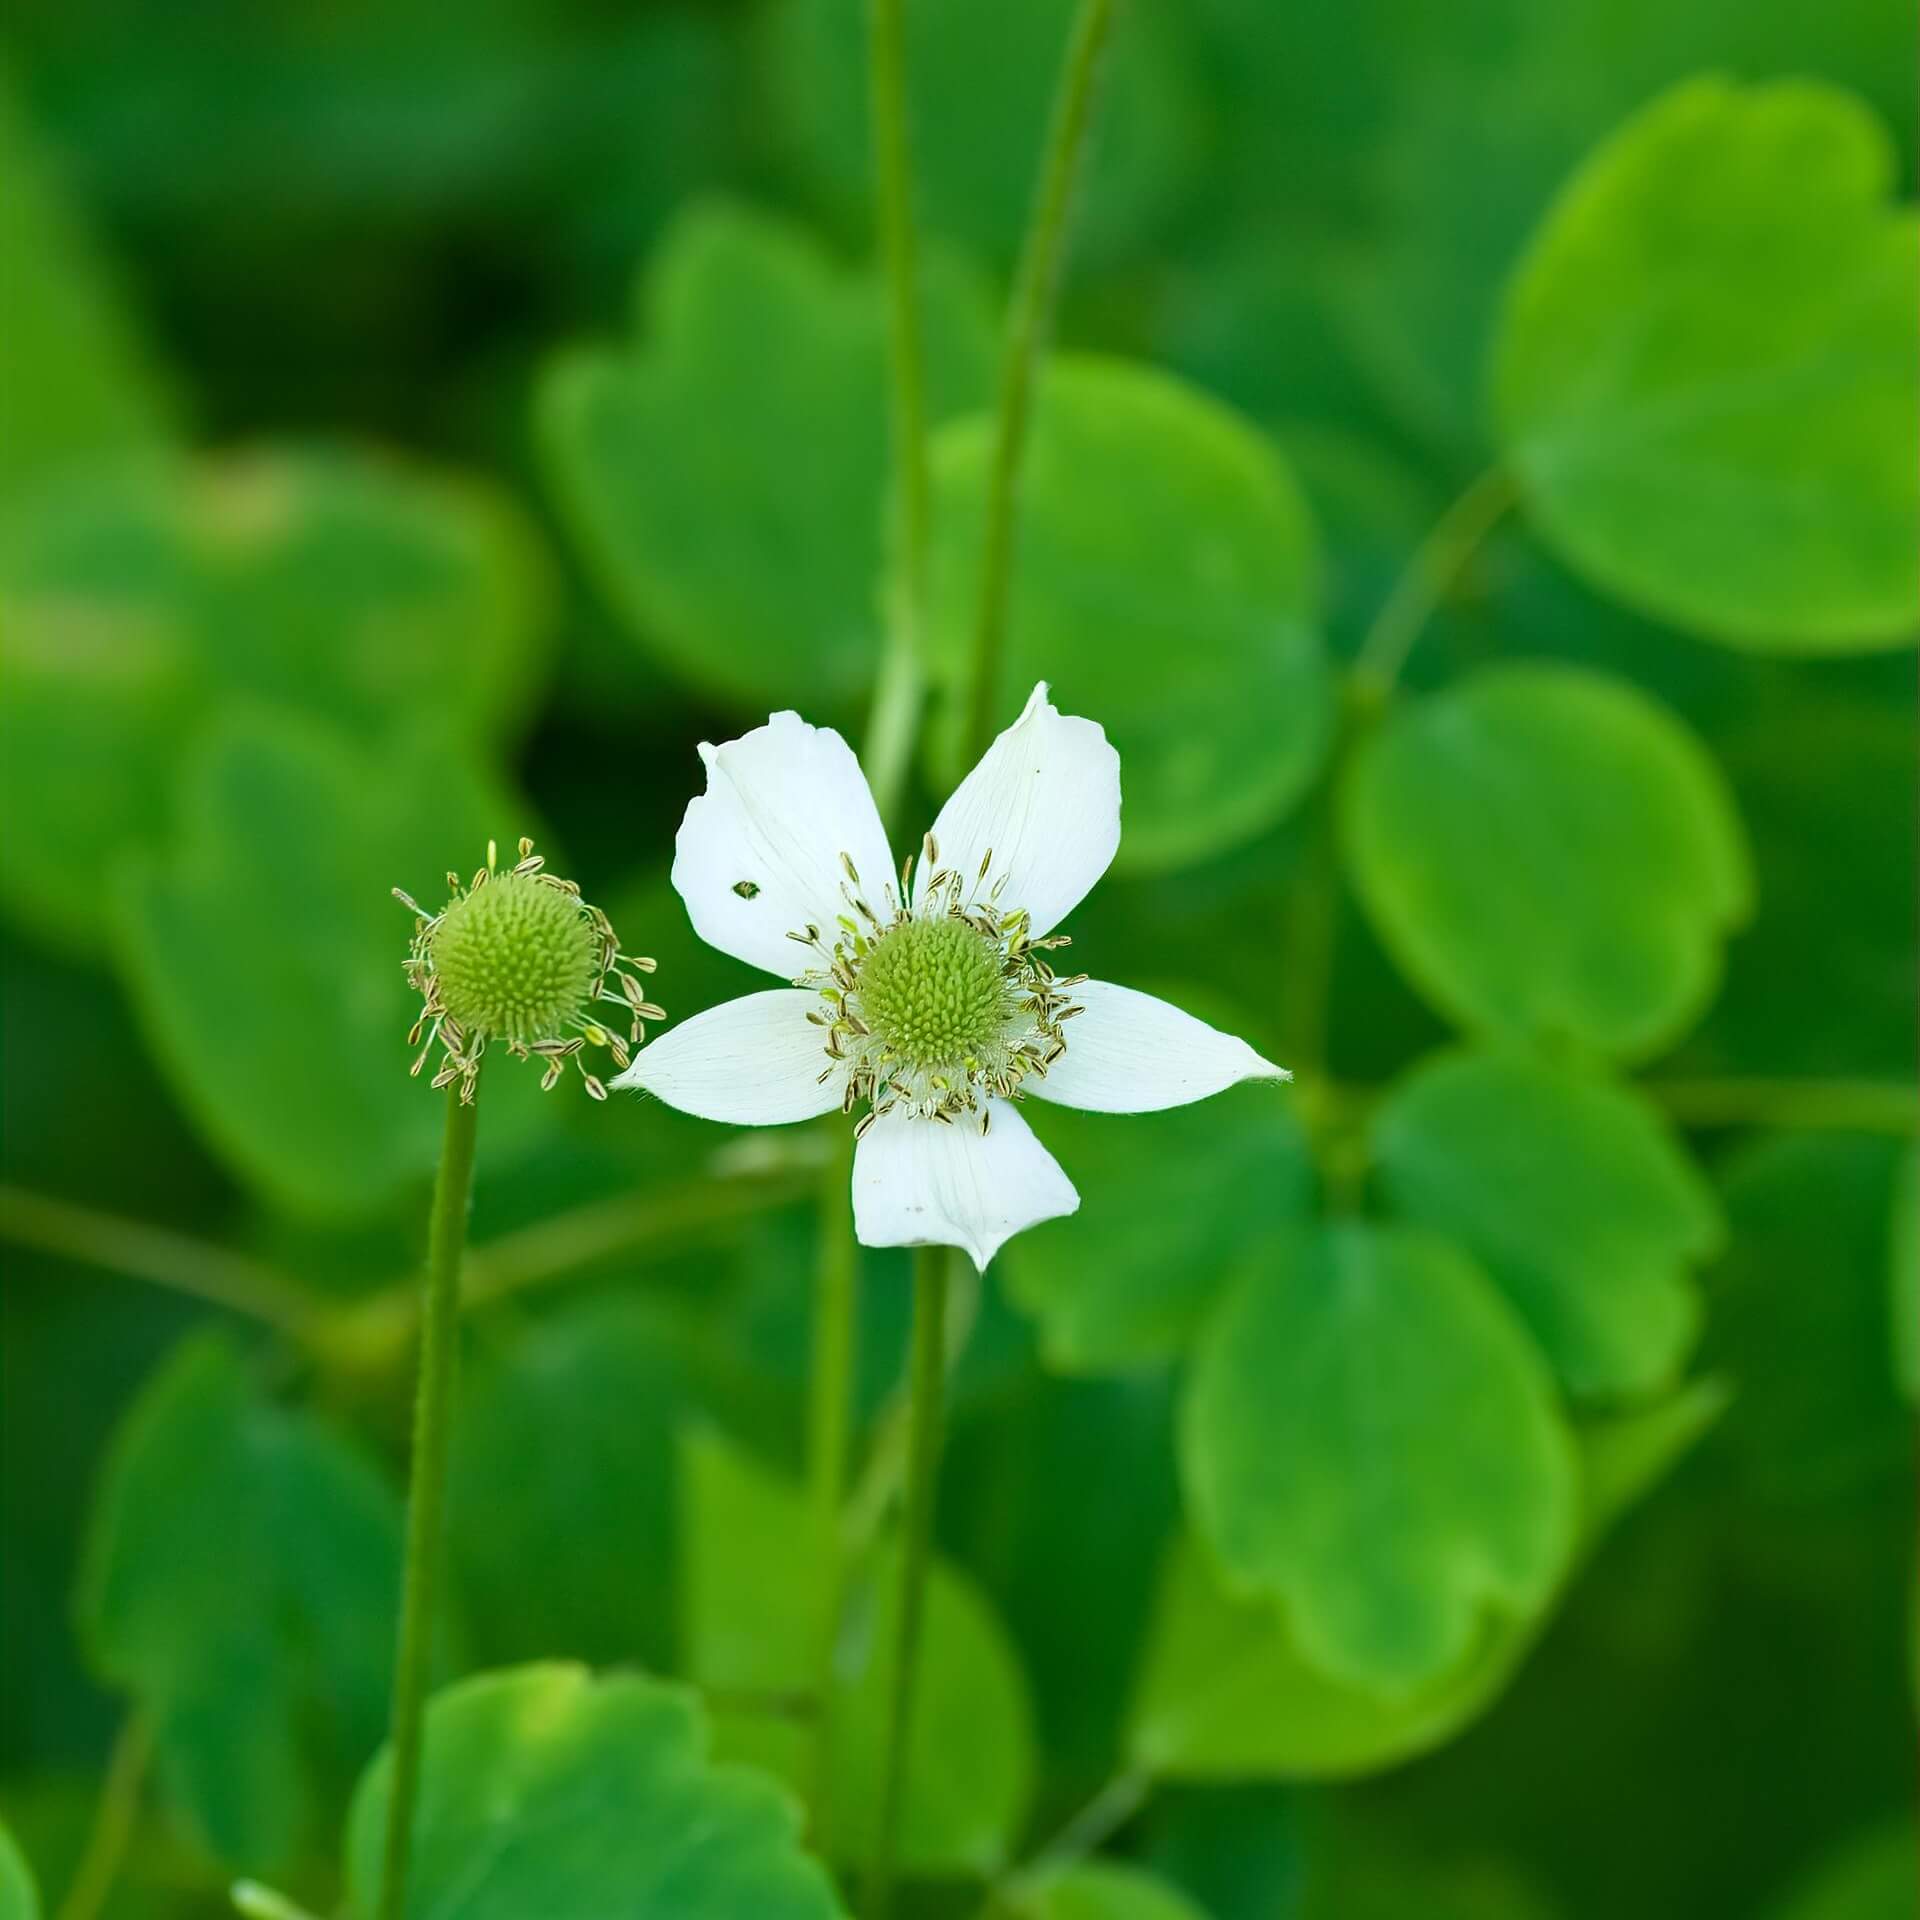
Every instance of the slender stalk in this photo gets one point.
(157, 1255)
(113, 1820)
(1087, 1832)
(929, 1375)
(432, 1421)
(902, 682)
(1425, 581)
(829, 1423)
(1029, 321)
(1841, 1106)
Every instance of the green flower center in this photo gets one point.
(934, 991)
(515, 959)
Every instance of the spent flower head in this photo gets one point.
(926, 995)
(518, 958)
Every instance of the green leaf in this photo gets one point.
(728, 497)
(1167, 1202)
(1166, 581)
(75, 382)
(240, 1581)
(1370, 1436)
(19, 1899)
(1550, 857)
(572, 1419)
(1875, 1878)
(1099, 1890)
(981, 76)
(135, 602)
(747, 1625)
(1574, 1195)
(1227, 1690)
(1705, 379)
(1904, 1245)
(264, 955)
(546, 1791)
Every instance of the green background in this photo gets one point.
(1475, 1482)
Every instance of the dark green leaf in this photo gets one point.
(241, 1582)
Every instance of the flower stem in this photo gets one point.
(113, 1820)
(1424, 582)
(928, 1390)
(432, 1419)
(829, 1418)
(1028, 321)
(902, 681)
(157, 1255)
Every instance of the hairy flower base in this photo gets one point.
(941, 1005)
(520, 958)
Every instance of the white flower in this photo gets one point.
(929, 1001)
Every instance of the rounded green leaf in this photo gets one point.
(1227, 1691)
(729, 495)
(240, 1581)
(1572, 1193)
(748, 1615)
(1370, 1436)
(19, 1898)
(264, 955)
(1550, 856)
(1166, 581)
(135, 601)
(1098, 1890)
(546, 1791)
(981, 76)
(1705, 379)
(1167, 1202)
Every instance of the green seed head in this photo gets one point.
(515, 958)
(933, 991)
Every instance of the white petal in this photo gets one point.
(1045, 799)
(917, 1183)
(1131, 1053)
(754, 1062)
(758, 855)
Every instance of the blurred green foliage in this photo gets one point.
(1476, 1483)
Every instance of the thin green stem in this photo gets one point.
(113, 1820)
(929, 1378)
(157, 1255)
(1085, 1834)
(902, 682)
(1425, 581)
(829, 1424)
(256, 1902)
(432, 1423)
(1029, 321)
(1840, 1106)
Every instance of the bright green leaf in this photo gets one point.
(748, 1613)
(1573, 1194)
(264, 954)
(549, 1792)
(135, 601)
(1227, 1690)
(241, 1580)
(1550, 856)
(1168, 1202)
(981, 76)
(1875, 1878)
(569, 1419)
(1705, 380)
(1099, 1890)
(19, 1899)
(1166, 581)
(1370, 1436)
(74, 377)
(728, 496)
